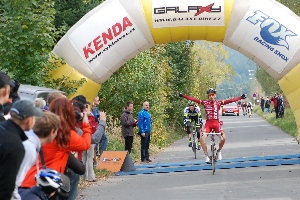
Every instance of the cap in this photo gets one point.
(23, 108)
(4, 80)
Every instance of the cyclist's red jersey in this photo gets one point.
(212, 107)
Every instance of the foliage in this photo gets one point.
(141, 79)
(68, 12)
(294, 5)
(28, 35)
(241, 83)
(180, 62)
(268, 83)
(209, 67)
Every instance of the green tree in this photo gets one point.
(180, 62)
(269, 84)
(209, 67)
(27, 37)
(294, 5)
(68, 12)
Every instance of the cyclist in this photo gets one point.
(249, 108)
(212, 107)
(244, 107)
(192, 114)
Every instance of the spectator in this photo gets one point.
(12, 151)
(4, 92)
(43, 132)
(144, 124)
(262, 104)
(39, 103)
(88, 156)
(128, 122)
(267, 105)
(13, 96)
(280, 106)
(274, 99)
(73, 175)
(95, 108)
(51, 96)
(56, 153)
(104, 140)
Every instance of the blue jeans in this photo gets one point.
(268, 110)
(104, 142)
(74, 180)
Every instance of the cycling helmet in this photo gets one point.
(48, 178)
(191, 103)
(211, 90)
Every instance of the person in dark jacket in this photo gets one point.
(128, 122)
(262, 104)
(12, 151)
(13, 96)
(4, 92)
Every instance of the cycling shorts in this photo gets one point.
(212, 124)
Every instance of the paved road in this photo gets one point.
(250, 142)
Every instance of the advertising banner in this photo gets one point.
(106, 38)
(269, 33)
(115, 161)
(175, 13)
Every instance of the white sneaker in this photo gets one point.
(219, 155)
(207, 159)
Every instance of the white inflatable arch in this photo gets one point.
(114, 32)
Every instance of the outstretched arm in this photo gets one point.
(189, 98)
(233, 99)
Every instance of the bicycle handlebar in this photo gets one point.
(212, 133)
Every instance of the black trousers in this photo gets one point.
(128, 143)
(145, 142)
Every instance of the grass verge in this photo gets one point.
(286, 123)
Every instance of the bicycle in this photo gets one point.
(194, 140)
(213, 149)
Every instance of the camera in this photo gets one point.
(78, 109)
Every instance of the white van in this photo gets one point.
(29, 92)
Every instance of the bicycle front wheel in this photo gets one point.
(213, 159)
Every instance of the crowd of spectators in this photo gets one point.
(278, 104)
(59, 130)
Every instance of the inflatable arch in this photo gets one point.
(117, 30)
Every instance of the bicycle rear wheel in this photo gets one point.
(213, 158)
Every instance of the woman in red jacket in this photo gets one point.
(67, 140)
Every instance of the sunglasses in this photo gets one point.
(211, 95)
